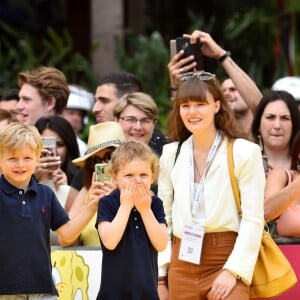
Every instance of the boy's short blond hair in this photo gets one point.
(131, 150)
(16, 135)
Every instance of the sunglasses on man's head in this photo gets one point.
(204, 76)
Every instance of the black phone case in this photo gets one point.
(190, 49)
(184, 44)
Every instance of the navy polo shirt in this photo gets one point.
(129, 272)
(25, 222)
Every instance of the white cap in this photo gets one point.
(290, 84)
(80, 98)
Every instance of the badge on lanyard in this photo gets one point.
(191, 243)
(193, 234)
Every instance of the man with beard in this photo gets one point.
(242, 112)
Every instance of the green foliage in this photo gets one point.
(251, 46)
(147, 57)
(293, 7)
(249, 33)
(20, 50)
(253, 34)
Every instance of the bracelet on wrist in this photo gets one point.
(223, 57)
(162, 280)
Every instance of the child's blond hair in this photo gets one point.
(16, 135)
(129, 151)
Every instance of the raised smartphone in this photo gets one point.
(49, 142)
(102, 172)
(182, 43)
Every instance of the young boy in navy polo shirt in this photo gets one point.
(131, 225)
(28, 210)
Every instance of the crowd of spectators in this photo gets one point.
(205, 115)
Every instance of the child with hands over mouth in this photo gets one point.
(131, 226)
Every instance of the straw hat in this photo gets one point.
(102, 135)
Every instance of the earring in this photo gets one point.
(260, 142)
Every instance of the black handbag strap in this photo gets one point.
(177, 152)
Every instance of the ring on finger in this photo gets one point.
(44, 165)
(181, 70)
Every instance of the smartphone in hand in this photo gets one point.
(102, 171)
(182, 43)
(49, 143)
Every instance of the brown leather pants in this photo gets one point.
(189, 281)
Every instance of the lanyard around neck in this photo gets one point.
(200, 189)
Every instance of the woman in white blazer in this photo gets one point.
(212, 250)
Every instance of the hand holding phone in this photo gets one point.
(49, 159)
(49, 143)
(102, 171)
(183, 43)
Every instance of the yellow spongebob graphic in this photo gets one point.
(70, 274)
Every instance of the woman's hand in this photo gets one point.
(222, 286)
(178, 66)
(99, 189)
(163, 292)
(47, 164)
(209, 47)
(108, 187)
(59, 177)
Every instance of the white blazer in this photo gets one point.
(220, 208)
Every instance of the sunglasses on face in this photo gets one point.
(97, 159)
